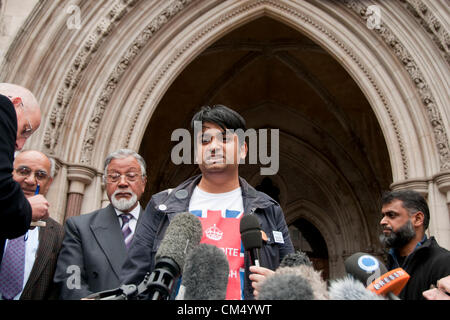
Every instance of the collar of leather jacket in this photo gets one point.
(177, 200)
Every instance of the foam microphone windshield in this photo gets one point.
(251, 236)
(349, 288)
(295, 259)
(285, 287)
(314, 278)
(182, 235)
(205, 274)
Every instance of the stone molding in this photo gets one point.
(73, 76)
(416, 76)
(124, 63)
(81, 174)
(428, 20)
(442, 180)
(296, 15)
(419, 185)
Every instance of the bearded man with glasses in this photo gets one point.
(20, 117)
(95, 245)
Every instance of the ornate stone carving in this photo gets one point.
(75, 73)
(410, 65)
(140, 41)
(431, 24)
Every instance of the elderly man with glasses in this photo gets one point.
(27, 272)
(20, 117)
(95, 245)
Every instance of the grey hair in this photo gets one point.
(52, 167)
(124, 153)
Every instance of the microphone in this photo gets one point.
(285, 287)
(295, 259)
(205, 274)
(371, 272)
(349, 288)
(182, 235)
(314, 278)
(390, 284)
(251, 237)
(364, 267)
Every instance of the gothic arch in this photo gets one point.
(115, 69)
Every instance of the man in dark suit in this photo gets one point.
(33, 168)
(20, 116)
(95, 244)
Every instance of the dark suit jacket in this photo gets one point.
(15, 210)
(40, 284)
(92, 254)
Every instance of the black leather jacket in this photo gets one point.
(164, 205)
(426, 265)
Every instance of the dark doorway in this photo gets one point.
(305, 237)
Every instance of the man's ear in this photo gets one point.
(243, 151)
(418, 219)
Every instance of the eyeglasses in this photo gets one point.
(24, 171)
(27, 132)
(115, 177)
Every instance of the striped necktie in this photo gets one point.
(126, 230)
(12, 268)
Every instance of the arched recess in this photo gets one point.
(359, 62)
(115, 61)
(343, 223)
(327, 228)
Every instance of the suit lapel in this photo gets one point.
(43, 255)
(106, 230)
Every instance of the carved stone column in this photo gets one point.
(419, 185)
(79, 177)
(442, 180)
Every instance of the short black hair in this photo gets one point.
(412, 200)
(220, 115)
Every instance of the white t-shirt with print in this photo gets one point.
(220, 215)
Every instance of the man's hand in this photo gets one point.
(442, 292)
(39, 206)
(258, 276)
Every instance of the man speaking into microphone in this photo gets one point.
(219, 198)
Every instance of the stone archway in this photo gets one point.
(114, 71)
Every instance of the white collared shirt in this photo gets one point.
(135, 216)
